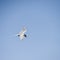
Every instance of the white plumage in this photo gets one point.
(22, 34)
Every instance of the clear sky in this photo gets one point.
(42, 20)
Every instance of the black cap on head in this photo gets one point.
(25, 35)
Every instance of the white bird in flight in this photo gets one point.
(22, 34)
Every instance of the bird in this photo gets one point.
(22, 34)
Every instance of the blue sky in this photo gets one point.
(42, 20)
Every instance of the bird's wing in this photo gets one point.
(23, 31)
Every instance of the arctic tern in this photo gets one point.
(22, 34)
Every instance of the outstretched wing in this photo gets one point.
(23, 31)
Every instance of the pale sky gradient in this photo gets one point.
(42, 20)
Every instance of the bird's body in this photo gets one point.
(22, 34)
